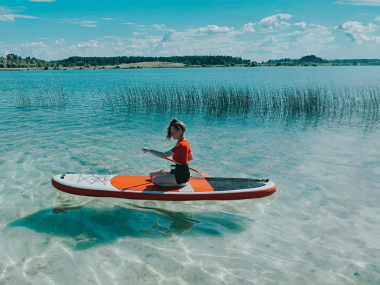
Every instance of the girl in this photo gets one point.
(181, 153)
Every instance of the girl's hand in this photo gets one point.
(145, 149)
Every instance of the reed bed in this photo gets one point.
(311, 101)
(25, 99)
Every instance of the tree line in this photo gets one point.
(117, 60)
(15, 61)
(315, 61)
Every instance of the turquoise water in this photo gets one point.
(320, 227)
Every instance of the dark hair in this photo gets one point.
(178, 125)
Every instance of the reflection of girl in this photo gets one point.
(181, 153)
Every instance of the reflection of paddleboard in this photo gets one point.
(142, 188)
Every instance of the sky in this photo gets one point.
(258, 30)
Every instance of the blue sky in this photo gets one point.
(257, 29)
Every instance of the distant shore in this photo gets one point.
(14, 62)
(157, 64)
(138, 65)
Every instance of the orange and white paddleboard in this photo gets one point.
(142, 188)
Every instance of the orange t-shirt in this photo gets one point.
(181, 152)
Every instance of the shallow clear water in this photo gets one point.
(320, 227)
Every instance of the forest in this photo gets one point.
(208, 60)
(14, 61)
(312, 60)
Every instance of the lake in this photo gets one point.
(314, 131)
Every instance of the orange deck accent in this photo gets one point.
(200, 185)
(141, 183)
(138, 183)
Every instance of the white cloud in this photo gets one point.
(91, 44)
(59, 49)
(186, 42)
(357, 27)
(5, 9)
(364, 38)
(213, 29)
(25, 17)
(7, 18)
(314, 39)
(248, 28)
(189, 42)
(42, 0)
(316, 36)
(302, 25)
(33, 45)
(168, 37)
(271, 22)
(158, 26)
(108, 19)
(358, 33)
(298, 39)
(89, 24)
(12, 17)
(116, 40)
(360, 2)
(269, 41)
(59, 42)
(8, 15)
(5, 52)
(138, 26)
(377, 18)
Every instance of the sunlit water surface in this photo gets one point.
(320, 227)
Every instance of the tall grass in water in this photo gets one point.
(129, 99)
(41, 98)
(313, 101)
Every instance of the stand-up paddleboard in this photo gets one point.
(142, 188)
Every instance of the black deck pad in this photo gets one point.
(227, 184)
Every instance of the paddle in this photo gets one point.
(201, 174)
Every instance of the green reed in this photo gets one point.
(41, 98)
(311, 101)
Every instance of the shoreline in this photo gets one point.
(157, 64)
(139, 65)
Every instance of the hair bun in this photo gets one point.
(177, 124)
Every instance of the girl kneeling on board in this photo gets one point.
(181, 153)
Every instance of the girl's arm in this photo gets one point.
(157, 153)
(191, 157)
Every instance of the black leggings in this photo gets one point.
(181, 172)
